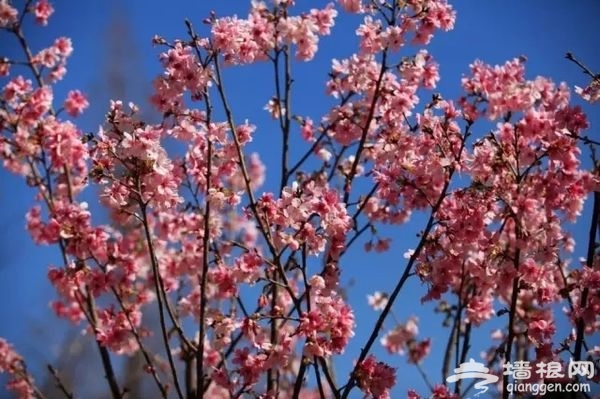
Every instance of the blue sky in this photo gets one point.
(493, 30)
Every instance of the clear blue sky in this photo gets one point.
(493, 30)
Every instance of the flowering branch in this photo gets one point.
(249, 284)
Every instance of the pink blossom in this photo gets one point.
(114, 330)
(189, 226)
(250, 366)
(591, 93)
(479, 309)
(541, 330)
(42, 11)
(330, 326)
(11, 363)
(411, 394)
(63, 46)
(353, 6)
(63, 143)
(378, 300)
(8, 14)
(56, 74)
(442, 392)
(419, 350)
(371, 40)
(402, 337)
(274, 108)
(16, 87)
(75, 103)
(382, 245)
(4, 67)
(375, 378)
(324, 19)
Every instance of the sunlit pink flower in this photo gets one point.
(75, 103)
(42, 11)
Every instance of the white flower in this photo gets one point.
(378, 300)
(324, 154)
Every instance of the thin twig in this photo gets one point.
(59, 384)
(204, 279)
(161, 298)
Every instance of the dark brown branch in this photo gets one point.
(161, 298)
(203, 281)
(59, 384)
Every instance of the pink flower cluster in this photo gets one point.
(75, 103)
(329, 325)
(509, 222)
(54, 59)
(311, 214)
(132, 164)
(190, 235)
(374, 37)
(591, 93)
(586, 279)
(20, 382)
(42, 10)
(8, 14)
(375, 378)
(402, 339)
(243, 41)
(183, 72)
(251, 362)
(438, 392)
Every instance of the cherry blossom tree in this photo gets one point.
(246, 281)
